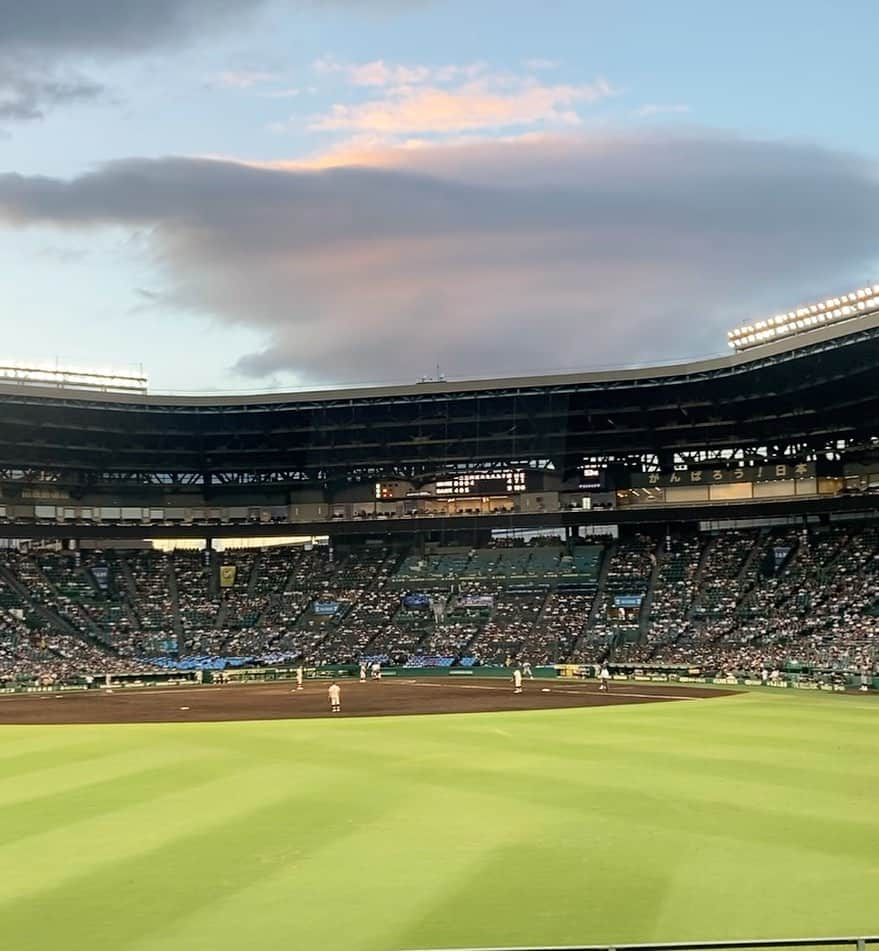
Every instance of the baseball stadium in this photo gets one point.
(569, 660)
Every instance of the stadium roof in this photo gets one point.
(804, 390)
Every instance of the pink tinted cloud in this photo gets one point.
(472, 106)
(379, 73)
(542, 253)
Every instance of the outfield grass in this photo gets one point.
(746, 816)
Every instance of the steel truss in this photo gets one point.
(802, 404)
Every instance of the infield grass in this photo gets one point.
(746, 816)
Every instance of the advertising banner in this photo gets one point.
(476, 601)
(101, 574)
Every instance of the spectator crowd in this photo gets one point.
(732, 601)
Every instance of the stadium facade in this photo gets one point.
(789, 426)
(718, 516)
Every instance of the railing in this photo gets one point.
(857, 943)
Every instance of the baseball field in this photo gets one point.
(740, 816)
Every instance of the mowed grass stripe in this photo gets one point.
(772, 762)
(41, 757)
(21, 742)
(716, 780)
(58, 856)
(59, 776)
(708, 803)
(771, 716)
(44, 814)
(566, 826)
(768, 762)
(543, 888)
(353, 889)
(149, 892)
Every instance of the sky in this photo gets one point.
(281, 194)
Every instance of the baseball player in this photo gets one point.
(605, 678)
(517, 681)
(299, 675)
(335, 695)
(362, 672)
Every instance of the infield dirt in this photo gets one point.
(278, 701)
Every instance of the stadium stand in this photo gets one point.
(197, 606)
(740, 600)
(740, 496)
(676, 582)
(623, 588)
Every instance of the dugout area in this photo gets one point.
(281, 700)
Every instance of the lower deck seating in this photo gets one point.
(725, 599)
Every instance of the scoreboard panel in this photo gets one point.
(476, 483)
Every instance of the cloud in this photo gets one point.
(364, 150)
(418, 99)
(379, 73)
(61, 28)
(59, 254)
(652, 109)
(541, 253)
(148, 303)
(26, 94)
(479, 105)
(44, 43)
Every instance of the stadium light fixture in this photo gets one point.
(112, 381)
(857, 303)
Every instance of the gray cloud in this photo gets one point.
(40, 37)
(62, 27)
(43, 41)
(26, 95)
(490, 259)
(101, 27)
